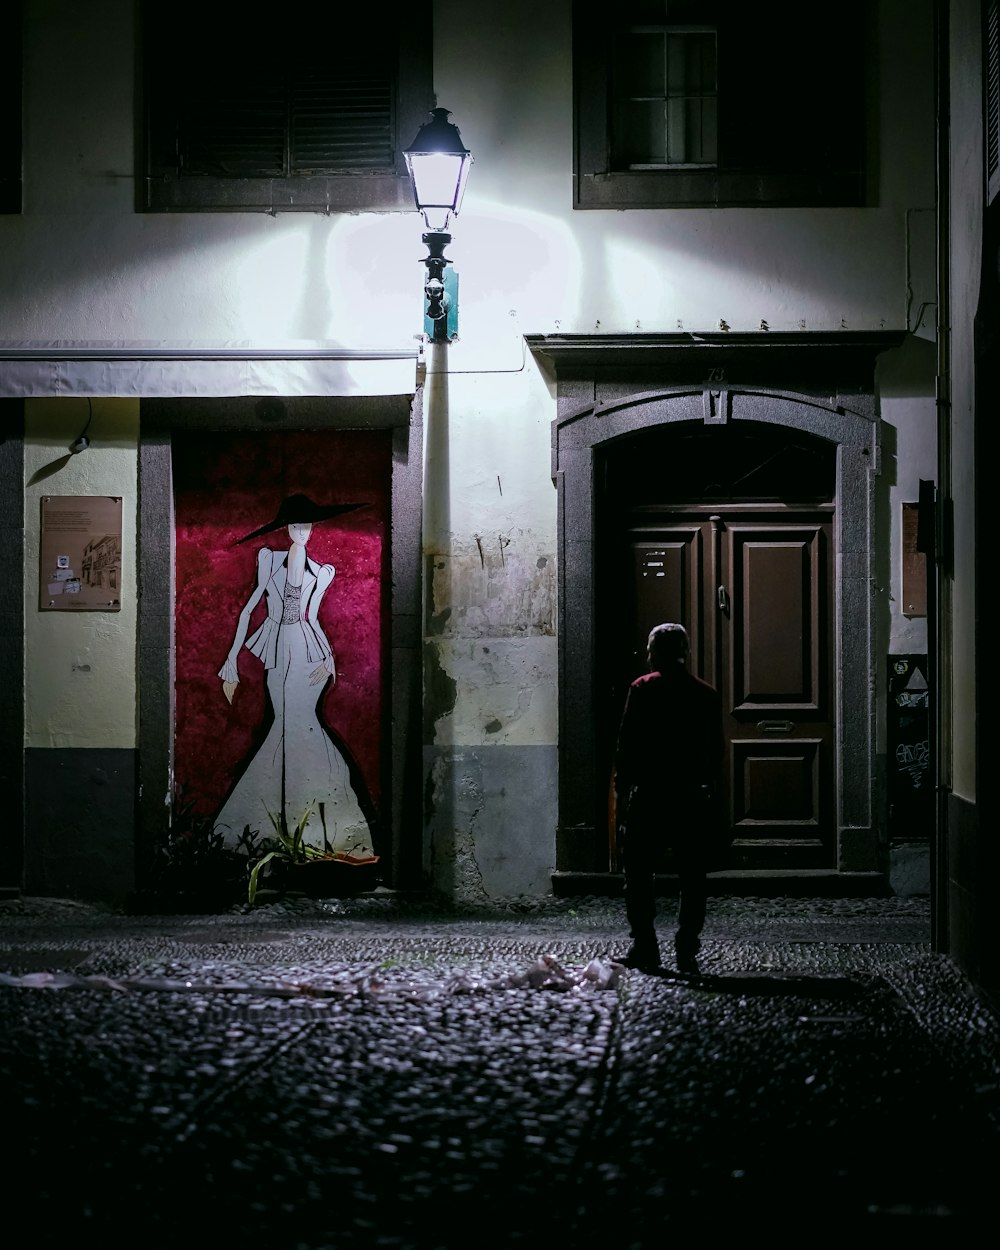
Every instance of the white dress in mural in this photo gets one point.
(297, 768)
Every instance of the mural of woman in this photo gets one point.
(298, 768)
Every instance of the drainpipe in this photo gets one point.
(937, 542)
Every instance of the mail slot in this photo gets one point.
(775, 726)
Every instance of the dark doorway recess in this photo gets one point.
(729, 531)
(694, 463)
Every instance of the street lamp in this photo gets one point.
(438, 163)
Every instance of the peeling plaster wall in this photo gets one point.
(488, 814)
(489, 637)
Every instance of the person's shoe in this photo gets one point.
(686, 951)
(643, 958)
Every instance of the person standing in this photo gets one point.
(668, 770)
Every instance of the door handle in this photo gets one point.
(775, 726)
(723, 597)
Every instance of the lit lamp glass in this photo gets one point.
(438, 163)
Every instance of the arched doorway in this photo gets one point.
(824, 435)
(729, 529)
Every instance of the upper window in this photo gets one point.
(309, 115)
(714, 103)
(664, 91)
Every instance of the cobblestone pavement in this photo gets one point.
(389, 1072)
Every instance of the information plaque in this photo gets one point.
(80, 561)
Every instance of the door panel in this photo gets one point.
(753, 589)
(668, 575)
(774, 578)
(776, 783)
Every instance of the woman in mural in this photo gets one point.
(298, 769)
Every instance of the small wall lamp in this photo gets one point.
(82, 442)
(439, 163)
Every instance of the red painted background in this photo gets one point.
(226, 486)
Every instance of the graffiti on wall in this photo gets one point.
(910, 781)
(280, 558)
(298, 777)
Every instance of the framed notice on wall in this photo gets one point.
(914, 565)
(80, 561)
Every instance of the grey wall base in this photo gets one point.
(489, 821)
(79, 823)
(910, 868)
(968, 933)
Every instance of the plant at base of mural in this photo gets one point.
(192, 859)
(288, 846)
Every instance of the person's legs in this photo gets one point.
(640, 902)
(693, 901)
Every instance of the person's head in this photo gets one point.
(668, 644)
(299, 531)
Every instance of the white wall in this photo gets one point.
(81, 264)
(909, 454)
(79, 667)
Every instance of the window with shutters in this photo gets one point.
(246, 114)
(719, 103)
(10, 112)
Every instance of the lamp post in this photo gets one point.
(438, 163)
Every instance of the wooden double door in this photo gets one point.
(752, 583)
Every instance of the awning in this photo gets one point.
(36, 369)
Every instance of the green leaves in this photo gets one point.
(292, 841)
(287, 844)
(254, 871)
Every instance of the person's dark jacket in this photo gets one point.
(670, 745)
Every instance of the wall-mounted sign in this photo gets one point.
(80, 563)
(914, 565)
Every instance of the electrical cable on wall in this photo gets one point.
(82, 442)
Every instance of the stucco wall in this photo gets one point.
(80, 688)
(489, 631)
(80, 263)
(909, 455)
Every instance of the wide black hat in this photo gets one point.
(301, 510)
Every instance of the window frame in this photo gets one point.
(597, 185)
(162, 188)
